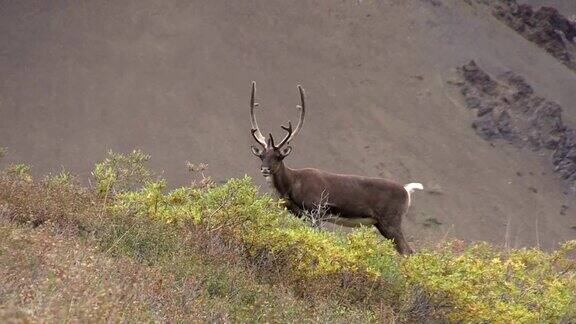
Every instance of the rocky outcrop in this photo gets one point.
(508, 108)
(546, 27)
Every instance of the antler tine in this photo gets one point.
(271, 141)
(289, 130)
(255, 129)
(302, 108)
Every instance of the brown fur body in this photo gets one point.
(347, 196)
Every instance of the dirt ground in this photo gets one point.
(173, 78)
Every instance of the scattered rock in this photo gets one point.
(545, 27)
(431, 222)
(508, 108)
(481, 81)
(435, 3)
(563, 209)
(434, 189)
(485, 126)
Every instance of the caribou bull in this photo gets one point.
(352, 199)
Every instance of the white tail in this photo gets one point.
(411, 187)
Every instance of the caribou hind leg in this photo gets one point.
(394, 232)
(390, 220)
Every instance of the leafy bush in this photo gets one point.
(261, 225)
(487, 285)
(119, 172)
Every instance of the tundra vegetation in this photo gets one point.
(126, 248)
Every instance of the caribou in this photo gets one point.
(352, 200)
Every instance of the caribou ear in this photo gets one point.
(285, 151)
(256, 151)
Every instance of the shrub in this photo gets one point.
(487, 285)
(35, 202)
(266, 230)
(119, 172)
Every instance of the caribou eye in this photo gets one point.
(256, 151)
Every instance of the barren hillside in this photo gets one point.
(173, 77)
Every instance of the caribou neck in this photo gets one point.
(282, 180)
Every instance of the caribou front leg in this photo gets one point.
(293, 208)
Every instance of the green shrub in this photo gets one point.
(486, 285)
(261, 224)
(119, 172)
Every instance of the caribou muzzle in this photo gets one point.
(266, 172)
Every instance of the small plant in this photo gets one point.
(64, 177)
(20, 170)
(120, 172)
(2, 152)
(205, 181)
(320, 212)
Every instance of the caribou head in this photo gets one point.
(269, 153)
